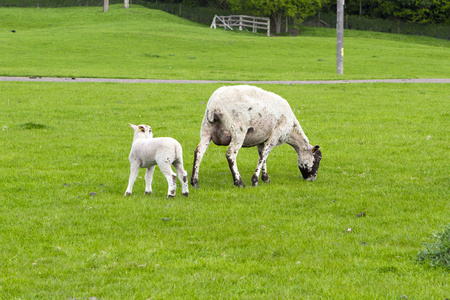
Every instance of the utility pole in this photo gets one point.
(105, 5)
(340, 37)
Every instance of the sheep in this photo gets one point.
(247, 116)
(147, 152)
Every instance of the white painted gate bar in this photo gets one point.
(242, 21)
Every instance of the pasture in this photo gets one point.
(385, 150)
(67, 231)
(144, 43)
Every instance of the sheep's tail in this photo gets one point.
(213, 116)
(210, 116)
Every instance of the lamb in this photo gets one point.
(147, 152)
(247, 116)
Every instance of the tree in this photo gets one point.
(417, 11)
(278, 9)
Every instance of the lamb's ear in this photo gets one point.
(133, 126)
(141, 128)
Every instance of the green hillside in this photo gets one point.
(144, 43)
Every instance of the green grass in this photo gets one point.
(144, 43)
(385, 152)
(67, 231)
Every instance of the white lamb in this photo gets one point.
(147, 152)
(247, 116)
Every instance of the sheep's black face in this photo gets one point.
(310, 174)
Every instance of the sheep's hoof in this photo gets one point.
(265, 178)
(127, 194)
(185, 194)
(239, 184)
(194, 183)
(147, 193)
(170, 196)
(254, 181)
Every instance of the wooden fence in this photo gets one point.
(242, 21)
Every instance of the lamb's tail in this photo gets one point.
(178, 152)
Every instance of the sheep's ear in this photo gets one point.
(141, 128)
(314, 149)
(133, 126)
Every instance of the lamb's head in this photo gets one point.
(142, 132)
(310, 173)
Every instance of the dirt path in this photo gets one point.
(62, 79)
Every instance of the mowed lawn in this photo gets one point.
(145, 43)
(67, 231)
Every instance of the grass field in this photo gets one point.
(144, 43)
(67, 231)
(385, 149)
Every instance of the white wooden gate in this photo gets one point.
(242, 21)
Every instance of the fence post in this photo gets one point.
(126, 3)
(340, 37)
(240, 23)
(105, 5)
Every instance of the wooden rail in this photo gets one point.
(242, 21)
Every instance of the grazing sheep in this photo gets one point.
(247, 116)
(147, 152)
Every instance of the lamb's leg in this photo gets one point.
(171, 178)
(264, 175)
(182, 176)
(232, 152)
(134, 171)
(148, 180)
(200, 151)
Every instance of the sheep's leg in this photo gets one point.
(232, 152)
(149, 179)
(200, 151)
(264, 153)
(134, 171)
(171, 178)
(182, 176)
(264, 175)
(270, 144)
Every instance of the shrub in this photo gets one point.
(438, 252)
(203, 15)
(54, 3)
(384, 25)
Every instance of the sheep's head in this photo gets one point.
(142, 131)
(310, 173)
